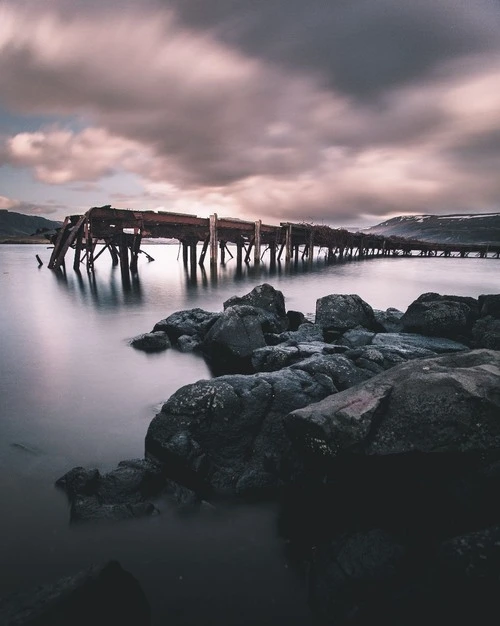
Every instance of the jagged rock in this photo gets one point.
(340, 370)
(100, 595)
(440, 316)
(445, 404)
(304, 333)
(486, 333)
(273, 358)
(226, 435)
(151, 342)
(120, 494)
(295, 319)
(269, 300)
(489, 305)
(390, 319)
(356, 337)
(193, 323)
(341, 312)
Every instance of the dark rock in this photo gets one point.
(273, 358)
(269, 300)
(120, 494)
(490, 305)
(340, 370)
(356, 337)
(187, 343)
(445, 404)
(408, 341)
(295, 319)
(100, 596)
(230, 342)
(341, 312)
(352, 576)
(440, 316)
(304, 333)
(151, 342)
(226, 435)
(192, 323)
(390, 320)
(486, 333)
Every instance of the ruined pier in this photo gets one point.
(121, 231)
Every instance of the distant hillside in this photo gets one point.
(460, 228)
(19, 225)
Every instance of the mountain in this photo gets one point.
(459, 228)
(19, 225)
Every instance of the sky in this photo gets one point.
(339, 112)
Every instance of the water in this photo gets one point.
(74, 393)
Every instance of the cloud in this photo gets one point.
(30, 208)
(313, 110)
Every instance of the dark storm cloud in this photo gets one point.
(360, 46)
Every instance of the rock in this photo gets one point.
(187, 343)
(100, 596)
(120, 494)
(295, 319)
(389, 320)
(273, 358)
(440, 316)
(486, 333)
(230, 342)
(226, 436)
(445, 404)
(356, 337)
(341, 312)
(407, 341)
(304, 333)
(340, 370)
(151, 342)
(269, 300)
(350, 578)
(489, 305)
(191, 323)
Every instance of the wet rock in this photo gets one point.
(445, 404)
(486, 333)
(193, 323)
(390, 319)
(151, 342)
(356, 337)
(489, 305)
(304, 333)
(226, 435)
(341, 312)
(120, 494)
(407, 341)
(230, 342)
(295, 319)
(267, 299)
(440, 316)
(100, 595)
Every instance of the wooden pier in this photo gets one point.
(122, 231)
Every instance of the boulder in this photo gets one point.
(156, 341)
(100, 595)
(389, 320)
(432, 406)
(341, 312)
(486, 333)
(356, 337)
(273, 358)
(440, 316)
(407, 341)
(268, 299)
(295, 319)
(122, 493)
(354, 575)
(230, 342)
(489, 305)
(226, 436)
(193, 323)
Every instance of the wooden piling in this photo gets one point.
(256, 255)
(213, 239)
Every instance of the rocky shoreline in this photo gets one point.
(377, 431)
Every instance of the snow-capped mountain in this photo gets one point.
(458, 228)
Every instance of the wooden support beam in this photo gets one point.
(213, 239)
(311, 247)
(192, 255)
(204, 250)
(256, 256)
(123, 248)
(78, 249)
(184, 252)
(282, 247)
(222, 246)
(61, 235)
(113, 252)
(239, 252)
(250, 246)
(288, 243)
(135, 246)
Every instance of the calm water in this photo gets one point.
(74, 393)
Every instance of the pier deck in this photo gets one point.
(122, 232)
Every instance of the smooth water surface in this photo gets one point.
(73, 392)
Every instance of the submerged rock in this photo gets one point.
(151, 342)
(100, 595)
